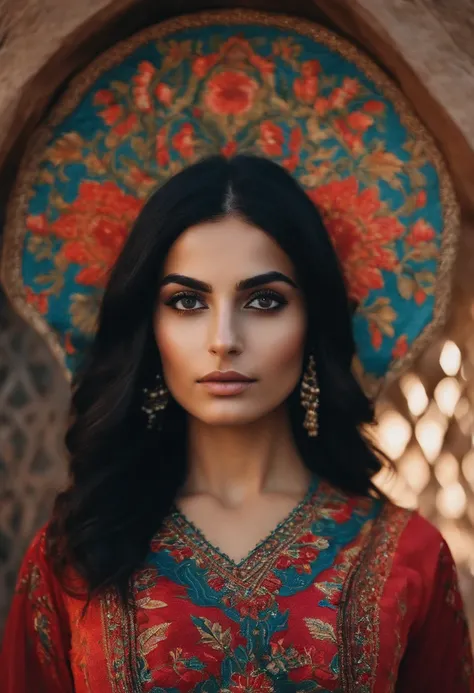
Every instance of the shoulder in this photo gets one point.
(35, 568)
(418, 537)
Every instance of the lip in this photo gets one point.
(225, 377)
(224, 383)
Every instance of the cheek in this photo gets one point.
(281, 345)
(175, 343)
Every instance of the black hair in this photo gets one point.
(124, 478)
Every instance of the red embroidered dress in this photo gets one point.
(347, 594)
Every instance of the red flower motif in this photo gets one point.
(421, 232)
(164, 94)
(359, 121)
(184, 142)
(230, 93)
(310, 68)
(361, 233)
(421, 199)
(37, 300)
(162, 153)
(251, 606)
(342, 513)
(374, 107)
(306, 89)
(419, 297)
(300, 559)
(351, 138)
(94, 228)
(111, 114)
(141, 95)
(37, 223)
(321, 106)
(181, 553)
(401, 347)
(126, 126)
(229, 149)
(296, 139)
(340, 96)
(271, 139)
(203, 64)
(376, 337)
(252, 680)
(216, 582)
(307, 538)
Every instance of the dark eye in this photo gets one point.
(185, 302)
(266, 300)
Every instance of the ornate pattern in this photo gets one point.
(243, 626)
(31, 582)
(359, 615)
(228, 82)
(346, 595)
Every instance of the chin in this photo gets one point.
(223, 415)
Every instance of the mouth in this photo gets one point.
(223, 383)
(226, 377)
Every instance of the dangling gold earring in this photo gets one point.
(156, 399)
(310, 398)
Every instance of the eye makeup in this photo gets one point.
(261, 295)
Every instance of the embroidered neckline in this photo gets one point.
(198, 537)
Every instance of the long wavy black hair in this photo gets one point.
(124, 478)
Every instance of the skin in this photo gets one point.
(243, 466)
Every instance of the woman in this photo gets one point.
(221, 531)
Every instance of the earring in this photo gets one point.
(156, 399)
(310, 398)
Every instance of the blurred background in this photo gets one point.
(426, 417)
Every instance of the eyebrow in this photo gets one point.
(250, 283)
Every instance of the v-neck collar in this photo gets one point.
(284, 528)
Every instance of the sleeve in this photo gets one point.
(438, 657)
(35, 649)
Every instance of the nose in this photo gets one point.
(224, 338)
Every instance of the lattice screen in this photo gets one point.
(33, 406)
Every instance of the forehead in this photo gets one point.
(229, 248)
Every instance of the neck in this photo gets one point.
(235, 464)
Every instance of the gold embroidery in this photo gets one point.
(358, 617)
(252, 576)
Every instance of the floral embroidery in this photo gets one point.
(362, 233)
(32, 583)
(189, 645)
(330, 121)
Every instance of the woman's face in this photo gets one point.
(218, 312)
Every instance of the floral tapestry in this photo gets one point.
(228, 82)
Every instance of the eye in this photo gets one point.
(266, 301)
(185, 302)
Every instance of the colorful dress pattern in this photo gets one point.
(345, 595)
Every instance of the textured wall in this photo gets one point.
(33, 405)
